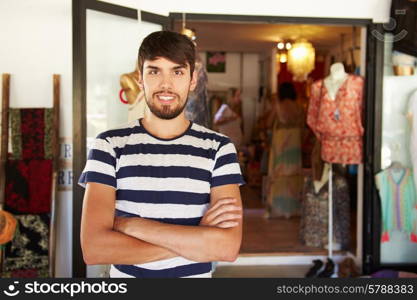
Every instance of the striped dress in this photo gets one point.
(166, 180)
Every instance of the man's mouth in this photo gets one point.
(165, 98)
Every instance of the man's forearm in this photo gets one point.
(112, 247)
(197, 243)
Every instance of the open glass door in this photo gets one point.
(106, 48)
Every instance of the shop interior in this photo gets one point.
(255, 57)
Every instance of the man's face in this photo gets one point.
(166, 86)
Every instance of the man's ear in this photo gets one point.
(193, 82)
(140, 80)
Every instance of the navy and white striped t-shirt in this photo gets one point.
(166, 180)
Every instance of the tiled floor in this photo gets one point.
(278, 235)
(279, 271)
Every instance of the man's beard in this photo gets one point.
(165, 113)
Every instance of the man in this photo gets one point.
(162, 193)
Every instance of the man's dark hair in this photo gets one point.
(171, 45)
(287, 91)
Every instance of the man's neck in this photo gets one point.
(165, 129)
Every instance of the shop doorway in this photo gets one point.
(373, 53)
(243, 41)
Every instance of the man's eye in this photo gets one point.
(179, 72)
(152, 72)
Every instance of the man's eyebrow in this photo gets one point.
(183, 66)
(152, 67)
(177, 67)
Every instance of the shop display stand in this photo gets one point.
(330, 220)
(55, 160)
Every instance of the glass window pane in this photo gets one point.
(112, 48)
(398, 245)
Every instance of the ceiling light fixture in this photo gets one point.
(301, 59)
(190, 33)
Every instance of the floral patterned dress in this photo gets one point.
(338, 123)
(315, 212)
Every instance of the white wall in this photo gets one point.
(251, 82)
(340, 55)
(377, 10)
(36, 42)
(228, 79)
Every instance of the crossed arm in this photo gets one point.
(106, 240)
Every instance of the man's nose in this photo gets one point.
(166, 82)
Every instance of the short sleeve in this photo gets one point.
(101, 164)
(226, 166)
(314, 107)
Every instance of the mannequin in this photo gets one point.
(318, 185)
(335, 115)
(129, 83)
(324, 178)
(334, 81)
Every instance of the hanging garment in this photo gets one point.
(28, 186)
(197, 109)
(285, 162)
(412, 112)
(398, 202)
(29, 247)
(232, 128)
(32, 130)
(338, 123)
(315, 211)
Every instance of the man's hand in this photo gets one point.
(224, 214)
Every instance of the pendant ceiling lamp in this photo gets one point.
(190, 33)
(301, 58)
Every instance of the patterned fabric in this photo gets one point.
(27, 273)
(32, 131)
(16, 133)
(338, 123)
(49, 123)
(398, 202)
(285, 162)
(29, 247)
(315, 212)
(28, 186)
